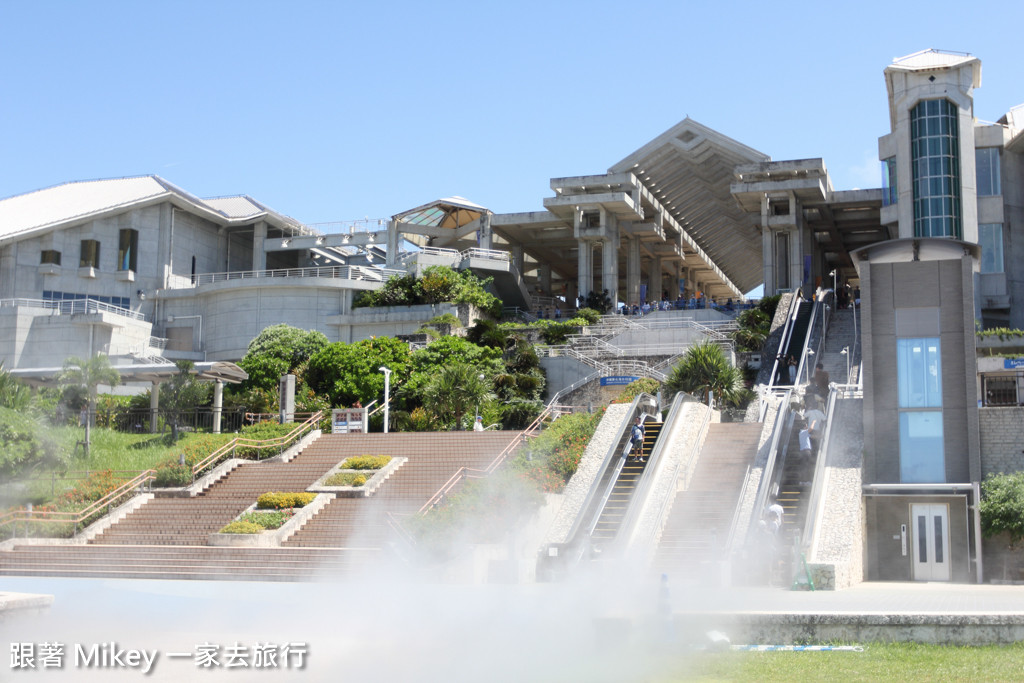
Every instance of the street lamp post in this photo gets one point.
(481, 378)
(387, 396)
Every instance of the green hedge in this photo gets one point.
(346, 479)
(277, 500)
(366, 462)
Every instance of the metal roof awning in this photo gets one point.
(152, 372)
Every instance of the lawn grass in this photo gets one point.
(110, 450)
(878, 662)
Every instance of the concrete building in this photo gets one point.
(139, 268)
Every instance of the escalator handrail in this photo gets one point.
(629, 521)
(816, 501)
(574, 540)
(791, 316)
(768, 476)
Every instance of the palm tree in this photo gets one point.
(89, 374)
(704, 368)
(455, 390)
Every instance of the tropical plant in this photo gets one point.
(455, 390)
(704, 369)
(88, 374)
(182, 393)
(13, 394)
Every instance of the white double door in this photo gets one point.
(929, 525)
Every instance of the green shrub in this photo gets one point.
(267, 520)
(633, 389)
(557, 333)
(242, 528)
(346, 479)
(588, 314)
(366, 462)
(171, 474)
(277, 500)
(1002, 506)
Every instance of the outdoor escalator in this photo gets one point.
(615, 509)
(798, 335)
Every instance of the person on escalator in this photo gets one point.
(637, 439)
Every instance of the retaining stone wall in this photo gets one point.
(1002, 440)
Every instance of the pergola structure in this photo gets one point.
(217, 372)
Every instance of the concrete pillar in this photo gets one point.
(486, 236)
(656, 279)
(633, 272)
(154, 406)
(585, 262)
(544, 274)
(768, 259)
(610, 269)
(393, 240)
(517, 257)
(286, 386)
(259, 255)
(218, 404)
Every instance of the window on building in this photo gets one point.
(990, 237)
(890, 193)
(591, 219)
(90, 256)
(51, 256)
(986, 161)
(127, 249)
(919, 380)
(1000, 390)
(934, 149)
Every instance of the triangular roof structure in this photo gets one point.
(690, 168)
(451, 212)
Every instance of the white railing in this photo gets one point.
(77, 306)
(364, 273)
(491, 254)
(349, 227)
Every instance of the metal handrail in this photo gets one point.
(73, 307)
(816, 504)
(640, 492)
(463, 472)
(355, 272)
(254, 443)
(768, 475)
(76, 517)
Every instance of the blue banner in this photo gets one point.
(615, 380)
(1013, 363)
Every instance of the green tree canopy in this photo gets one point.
(704, 368)
(276, 351)
(351, 372)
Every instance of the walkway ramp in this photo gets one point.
(701, 517)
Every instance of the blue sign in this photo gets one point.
(616, 380)
(1013, 363)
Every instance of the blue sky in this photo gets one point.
(330, 111)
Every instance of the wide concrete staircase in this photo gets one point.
(166, 538)
(699, 521)
(433, 460)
